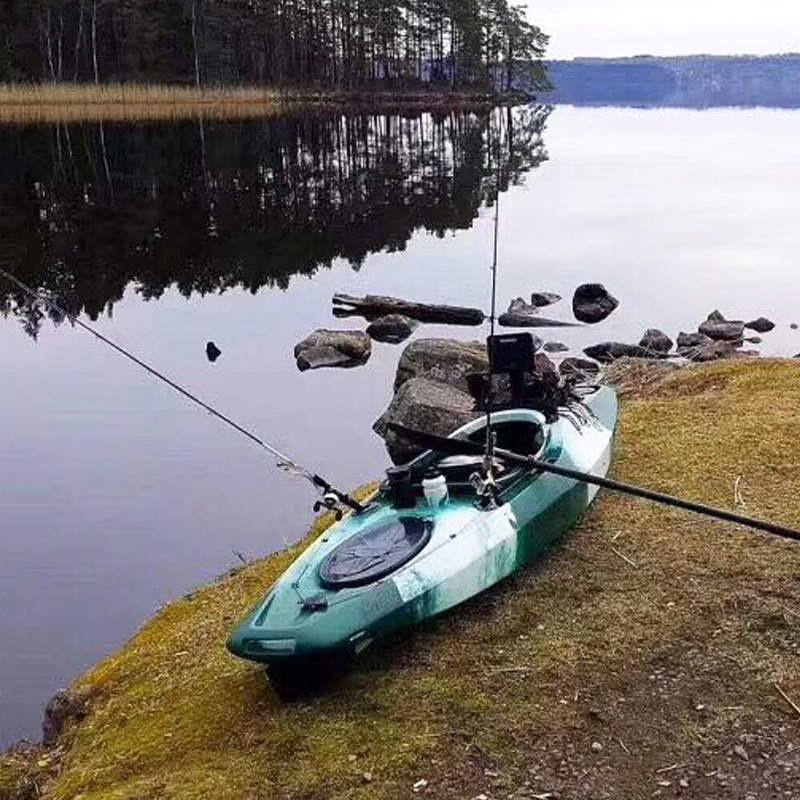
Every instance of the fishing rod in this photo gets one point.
(448, 446)
(331, 496)
(488, 486)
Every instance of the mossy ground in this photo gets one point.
(640, 659)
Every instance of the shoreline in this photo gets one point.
(171, 691)
(41, 103)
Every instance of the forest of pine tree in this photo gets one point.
(321, 44)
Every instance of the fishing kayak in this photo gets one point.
(426, 543)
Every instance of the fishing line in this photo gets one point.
(285, 463)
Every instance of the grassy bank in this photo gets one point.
(34, 103)
(644, 657)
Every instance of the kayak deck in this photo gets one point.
(466, 549)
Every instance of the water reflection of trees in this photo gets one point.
(88, 210)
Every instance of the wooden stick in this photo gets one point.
(624, 558)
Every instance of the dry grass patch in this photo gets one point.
(25, 104)
(584, 676)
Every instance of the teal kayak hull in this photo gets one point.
(470, 549)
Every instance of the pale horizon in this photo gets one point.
(623, 28)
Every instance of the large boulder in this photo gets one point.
(423, 405)
(761, 325)
(392, 329)
(657, 341)
(722, 331)
(325, 348)
(593, 303)
(443, 360)
(606, 352)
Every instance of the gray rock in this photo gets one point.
(555, 347)
(606, 352)
(794, 326)
(444, 360)
(722, 331)
(543, 299)
(656, 340)
(798, 355)
(754, 340)
(325, 348)
(545, 370)
(64, 707)
(692, 340)
(716, 316)
(716, 351)
(761, 325)
(392, 329)
(579, 367)
(592, 303)
(424, 405)
(524, 315)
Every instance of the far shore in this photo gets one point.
(76, 102)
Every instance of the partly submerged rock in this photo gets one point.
(606, 352)
(447, 361)
(761, 325)
(579, 367)
(724, 331)
(656, 340)
(593, 303)
(692, 340)
(543, 299)
(326, 348)
(423, 405)
(525, 315)
(392, 329)
(754, 340)
(213, 352)
(555, 347)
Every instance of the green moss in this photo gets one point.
(173, 716)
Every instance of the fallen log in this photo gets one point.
(372, 307)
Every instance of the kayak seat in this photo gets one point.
(523, 437)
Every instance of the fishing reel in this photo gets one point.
(329, 502)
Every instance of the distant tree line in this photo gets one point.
(341, 44)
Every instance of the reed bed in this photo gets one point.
(124, 102)
(32, 103)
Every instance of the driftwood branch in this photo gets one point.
(373, 306)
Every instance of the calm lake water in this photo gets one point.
(116, 495)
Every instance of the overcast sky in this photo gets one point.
(658, 27)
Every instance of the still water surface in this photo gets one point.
(116, 496)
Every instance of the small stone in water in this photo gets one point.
(420, 784)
